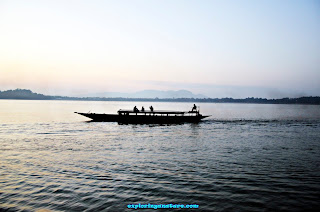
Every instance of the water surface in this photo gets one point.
(245, 157)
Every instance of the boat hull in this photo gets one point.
(142, 119)
(101, 117)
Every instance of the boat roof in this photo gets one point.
(153, 112)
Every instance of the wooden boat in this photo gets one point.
(146, 117)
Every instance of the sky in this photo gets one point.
(218, 48)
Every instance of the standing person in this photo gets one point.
(194, 107)
(151, 108)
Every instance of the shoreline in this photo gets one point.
(286, 101)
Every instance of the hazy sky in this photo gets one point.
(217, 48)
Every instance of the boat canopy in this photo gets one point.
(121, 111)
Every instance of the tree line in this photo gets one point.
(29, 95)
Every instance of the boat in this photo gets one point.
(147, 116)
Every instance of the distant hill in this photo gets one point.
(22, 94)
(149, 94)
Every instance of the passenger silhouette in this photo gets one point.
(142, 109)
(135, 109)
(151, 108)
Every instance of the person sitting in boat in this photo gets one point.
(194, 108)
(142, 109)
(135, 109)
(151, 108)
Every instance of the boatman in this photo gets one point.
(194, 108)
